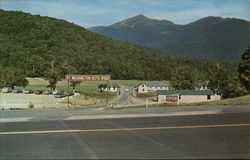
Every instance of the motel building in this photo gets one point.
(149, 87)
(186, 96)
(111, 87)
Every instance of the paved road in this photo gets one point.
(200, 136)
(61, 114)
(124, 97)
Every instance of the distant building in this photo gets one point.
(202, 85)
(7, 90)
(111, 87)
(186, 96)
(147, 87)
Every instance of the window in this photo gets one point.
(143, 90)
(142, 85)
(208, 97)
(179, 96)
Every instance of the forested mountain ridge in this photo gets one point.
(42, 45)
(212, 38)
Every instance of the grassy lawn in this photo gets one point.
(84, 87)
(132, 83)
(89, 91)
(146, 95)
(171, 104)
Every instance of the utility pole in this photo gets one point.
(68, 93)
(218, 85)
(107, 93)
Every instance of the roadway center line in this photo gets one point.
(124, 129)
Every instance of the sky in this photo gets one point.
(89, 13)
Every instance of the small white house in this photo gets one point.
(147, 87)
(7, 90)
(111, 87)
(202, 85)
(186, 96)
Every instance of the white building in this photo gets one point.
(202, 85)
(147, 87)
(111, 87)
(186, 96)
(7, 90)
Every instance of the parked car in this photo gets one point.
(38, 92)
(28, 91)
(155, 99)
(68, 93)
(60, 94)
(56, 92)
(17, 91)
(48, 92)
(7, 90)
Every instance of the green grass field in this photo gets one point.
(89, 91)
(87, 87)
(132, 83)
(146, 95)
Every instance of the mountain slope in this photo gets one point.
(138, 30)
(212, 38)
(39, 44)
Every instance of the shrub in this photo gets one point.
(31, 106)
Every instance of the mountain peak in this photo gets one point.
(140, 19)
(139, 16)
(210, 20)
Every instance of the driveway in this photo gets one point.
(124, 98)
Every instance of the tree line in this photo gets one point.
(227, 83)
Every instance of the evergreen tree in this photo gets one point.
(185, 77)
(53, 76)
(244, 69)
(11, 77)
(226, 83)
(74, 84)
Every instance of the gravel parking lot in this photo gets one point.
(21, 100)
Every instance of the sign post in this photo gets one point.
(77, 77)
(68, 93)
(107, 93)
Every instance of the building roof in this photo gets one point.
(154, 84)
(114, 85)
(157, 85)
(185, 92)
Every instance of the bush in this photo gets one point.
(31, 106)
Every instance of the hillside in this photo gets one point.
(211, 38)
(39, 44)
